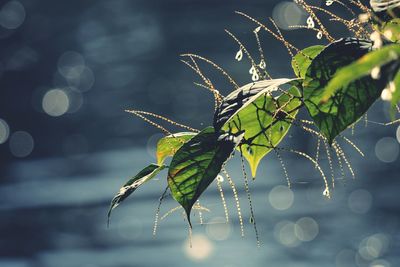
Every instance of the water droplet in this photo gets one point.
(319, 35)
(326, 193)
(249, 150)
(262, 64)
(220, 178)
(281, 128)
(252, 70)
(329, 2)
(386, 95)
(251, 220)
(376, 73)
(310, 22)
(257, 29)
(239, 55)
(255, 76)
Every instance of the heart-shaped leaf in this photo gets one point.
(265, 120)
(142, 177)
(302, 60)
(168, 145)
(196, 164)
(351, 101)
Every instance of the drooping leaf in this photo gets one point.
(196, 164)
(129, 187)
(168, 145)
(265, 120)
(302, 60)
(351, 101)
(363, 67)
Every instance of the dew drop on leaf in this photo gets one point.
(239, 55)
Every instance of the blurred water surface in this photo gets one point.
(69, 69)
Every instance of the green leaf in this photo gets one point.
(168, 145)
(264, 119)
(196, 164)
(352, 100)
(142, 177)
(362, 67)
(303, 59)
(391, 30)
(396, 94)
(243, 96)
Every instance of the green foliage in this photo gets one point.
(264, 119)
(127, 189)
(362, 67)
(349, 102)
(303, 59)
(196, 164)
(334, 83)
(168, 145)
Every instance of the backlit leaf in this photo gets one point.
(352, 100)
(168, 145)
(196, 164)
(302, 60)
(142, 177)
(264, 119)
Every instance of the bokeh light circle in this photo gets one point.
(281, 197)
(21, 144)
(55, 102)
(201, 248)
(360, 201)
(4, 131)
(387, 149)
(306, 229)
(218, 229)
(287, 14)
(12, 15)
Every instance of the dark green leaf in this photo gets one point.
(168, 145)
(196, 164)
(351, 101)
(142, 177)
(362, 67)
(265, 120)
(303, 59)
